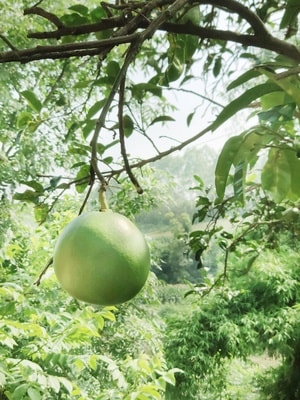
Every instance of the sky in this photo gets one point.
(192, 98)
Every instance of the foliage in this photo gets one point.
(83, 87)
(54, 347)
(257, 313)
(87, 107)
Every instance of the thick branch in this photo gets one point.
(103, 25)
(91, 48)
(267, 41)
(78, 49)
(234, 6)
(45, 14)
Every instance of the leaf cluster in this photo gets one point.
(255, 314)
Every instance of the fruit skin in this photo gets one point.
(101, 258)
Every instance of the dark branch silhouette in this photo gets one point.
(133, 21)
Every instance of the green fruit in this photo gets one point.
(101, 258)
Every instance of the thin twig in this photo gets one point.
(165, 153)
(122, 138)
(91, 184)
(58, 79)
(286, 74)
(49, 263)
(9, 44)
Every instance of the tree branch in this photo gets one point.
(130, 57)
(45, 14)
(122, 138)
(232, 5)
(103, 25)
(165, 153)
(92, 48)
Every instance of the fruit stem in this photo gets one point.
(102, 199)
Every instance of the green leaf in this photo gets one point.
(128, 125)
(290, 84)
(34, 185)
(107, 160)
(88, 127)
(174, 71)
(97, 14)
(24, 118)
(80, 9)
(113, 68)
(162, 118)
(41, 212)
(224, 164)
(217, 66)
(20, 391)
(243, 101)
(239, 152)
(190, 46)
(32, 100)
(152, 390)
(239, 179)
(95, 108)
(28, 195)
(292, 10)
(252, 73)
(83, 174)
(189, 118)
(294, 163)
(193, 15)
(74, 19)
(275, 99)
(34, 394)
(276, 174)
(138, 90)
(93, 362)
(53, 383)
(66, 383)
(253, 141)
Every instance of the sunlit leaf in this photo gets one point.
(95, 108)
(32, 100)
(289, 84)
(66, 383)
(82, 178)
(53, 382)
(41, 212)
(34, 394)
(276, 174)
(224, 164)
(24, 118)
(294, 163)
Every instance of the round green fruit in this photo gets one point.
(101, 258)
